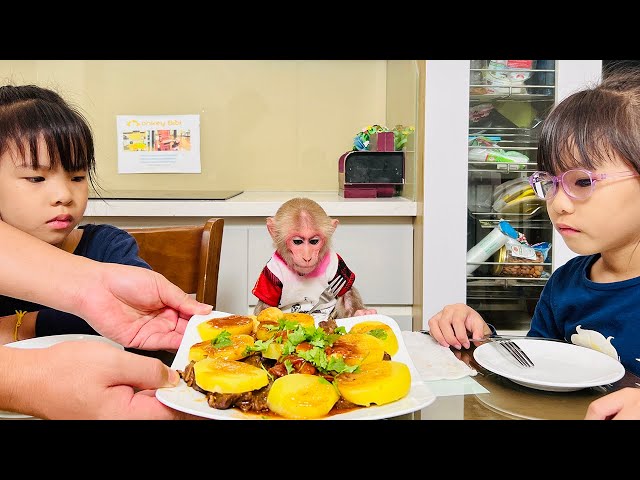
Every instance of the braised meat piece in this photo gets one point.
(254, 401)
(222, 401)
(328, 325)
(189, 377)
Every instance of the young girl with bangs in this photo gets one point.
(46, 164)
(589, 162)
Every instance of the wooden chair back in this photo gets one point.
(188, 256)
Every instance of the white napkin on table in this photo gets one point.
(432, 360)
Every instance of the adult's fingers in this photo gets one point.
(176, 298)
(145, 372)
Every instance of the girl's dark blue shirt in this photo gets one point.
(103, 243)
(602, 316)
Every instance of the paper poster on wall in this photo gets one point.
(158, 143)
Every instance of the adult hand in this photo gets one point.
(621, 405)
(450, 326)
(90, 380)
(137, 307)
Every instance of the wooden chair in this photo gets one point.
(188, 256)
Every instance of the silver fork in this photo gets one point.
(515, 351)
(330, 293)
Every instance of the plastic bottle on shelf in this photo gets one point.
(489, 245)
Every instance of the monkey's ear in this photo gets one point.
(334, 223)
(271, 226)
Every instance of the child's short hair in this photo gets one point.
(586, 128)
(29, 113)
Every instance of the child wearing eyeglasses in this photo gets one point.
(589, 162)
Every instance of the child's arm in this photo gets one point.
(27, 328)
(620, 405)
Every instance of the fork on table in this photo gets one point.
(505, 341)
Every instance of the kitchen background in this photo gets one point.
(277, 128)
(266, 125)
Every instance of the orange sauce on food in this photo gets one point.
(229, 321)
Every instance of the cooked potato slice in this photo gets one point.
(303, 319)
(234, 324)
(256, 323)
(357, 348)
(381, 331)
(301, 396)
(273, 351)
(272, 314)
(228, 376)
(266, 330)
(208, 348)
(375, 383)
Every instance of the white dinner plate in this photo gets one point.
(44, 342)
(559, 366)
(186, 399)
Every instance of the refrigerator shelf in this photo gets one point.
(505, 282)
(502, 167)
(517, 220)
(510, 116)
(476, 98)
(489, 300)
(519, 224)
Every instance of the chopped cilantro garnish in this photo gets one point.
(314, 336)
(378, 333)
(288, 365)
(222, 340)
(259, 346)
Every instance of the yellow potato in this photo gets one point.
(381, 331)
(228, 376)
(301, 396)
(303, 319)
(235, 351)
(256, 323)
(375, 383)
(234, 324)
(272, 314)
(358, 348)
(273, 351)
(266, 330)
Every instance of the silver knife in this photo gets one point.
(494, 337)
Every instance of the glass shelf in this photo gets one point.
(510, 117)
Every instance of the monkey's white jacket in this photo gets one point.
(279, 286)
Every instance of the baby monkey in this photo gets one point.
(304, 264)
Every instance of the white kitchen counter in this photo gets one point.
(252, 204)
(375, 236)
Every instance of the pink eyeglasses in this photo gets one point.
(577, 184)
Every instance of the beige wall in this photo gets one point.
(265, 125)
(402, 108)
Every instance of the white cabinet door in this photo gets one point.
(232, 278)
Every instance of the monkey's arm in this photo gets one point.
(260, 306)
(351, 305)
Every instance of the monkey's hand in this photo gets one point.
(351, 305)
(365, 311)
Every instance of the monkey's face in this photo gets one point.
(305, 249)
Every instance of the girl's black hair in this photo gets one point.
(587, 128)
(29, 113)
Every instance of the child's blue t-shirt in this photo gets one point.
(602, 316)
(103, 243)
